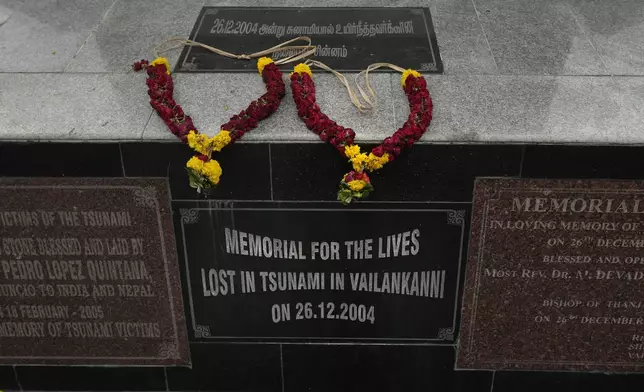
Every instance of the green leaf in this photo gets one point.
(345, 196)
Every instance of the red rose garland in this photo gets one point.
(356, 183)
(204, 172)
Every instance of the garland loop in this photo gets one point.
(356, 184)
(204, 171)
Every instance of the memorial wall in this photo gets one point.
(285, 278)
(448, 267)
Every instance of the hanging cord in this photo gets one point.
(354, 97)
(367, 100)
(304, 50)
(369, 96)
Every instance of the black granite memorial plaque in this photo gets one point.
(89, 273)
(347, 39)
(311, 271)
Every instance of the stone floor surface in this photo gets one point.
(568, 71)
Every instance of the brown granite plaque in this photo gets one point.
(89, 273)
(555, 276)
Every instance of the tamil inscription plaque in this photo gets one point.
(89, 273)
(555, 276)
(346, 39)
(310, 272)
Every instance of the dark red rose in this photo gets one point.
(415, 109)
(302, 112)
(364, 177)
(311, 120)
(235, 134)
(409, 132)
(188, 121)
(250, 123)
(178, 112)
(342, 134)
(410, 86)
(356, 176)
(139, 65)
(325, 122)
(169, 102)
(164, 112)
(152, 83)
(417, 131)
(272, 97)
(416, 100)
(378, 151)
(350, 135)
(181, 129)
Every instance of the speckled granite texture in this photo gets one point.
(515, 72)
(97, 259)
(553, 276)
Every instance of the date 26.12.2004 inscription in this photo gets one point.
(324, 310)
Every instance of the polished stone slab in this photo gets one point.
(553, 277)
(314, 3)
(44, 36)
(484, 108)
(89, 273)
(345, 38)
(616, 29)
(475, 101)
(73, 106)
(538, 38)
(464, 46)
(323, 283)
(131, 31)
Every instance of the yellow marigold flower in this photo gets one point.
(359, 162)
(220, 140)
(406, 74)
(303, 68)
(352, 150)
(199, 142)
(195, 164)
(356, 185)
(164, 61)
(262, 62)
(375, 162)
(212, 171)
(193, 139)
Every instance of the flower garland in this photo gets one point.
(205, 172)
(356, 184)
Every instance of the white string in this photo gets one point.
(367, 100)
(304, 50)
